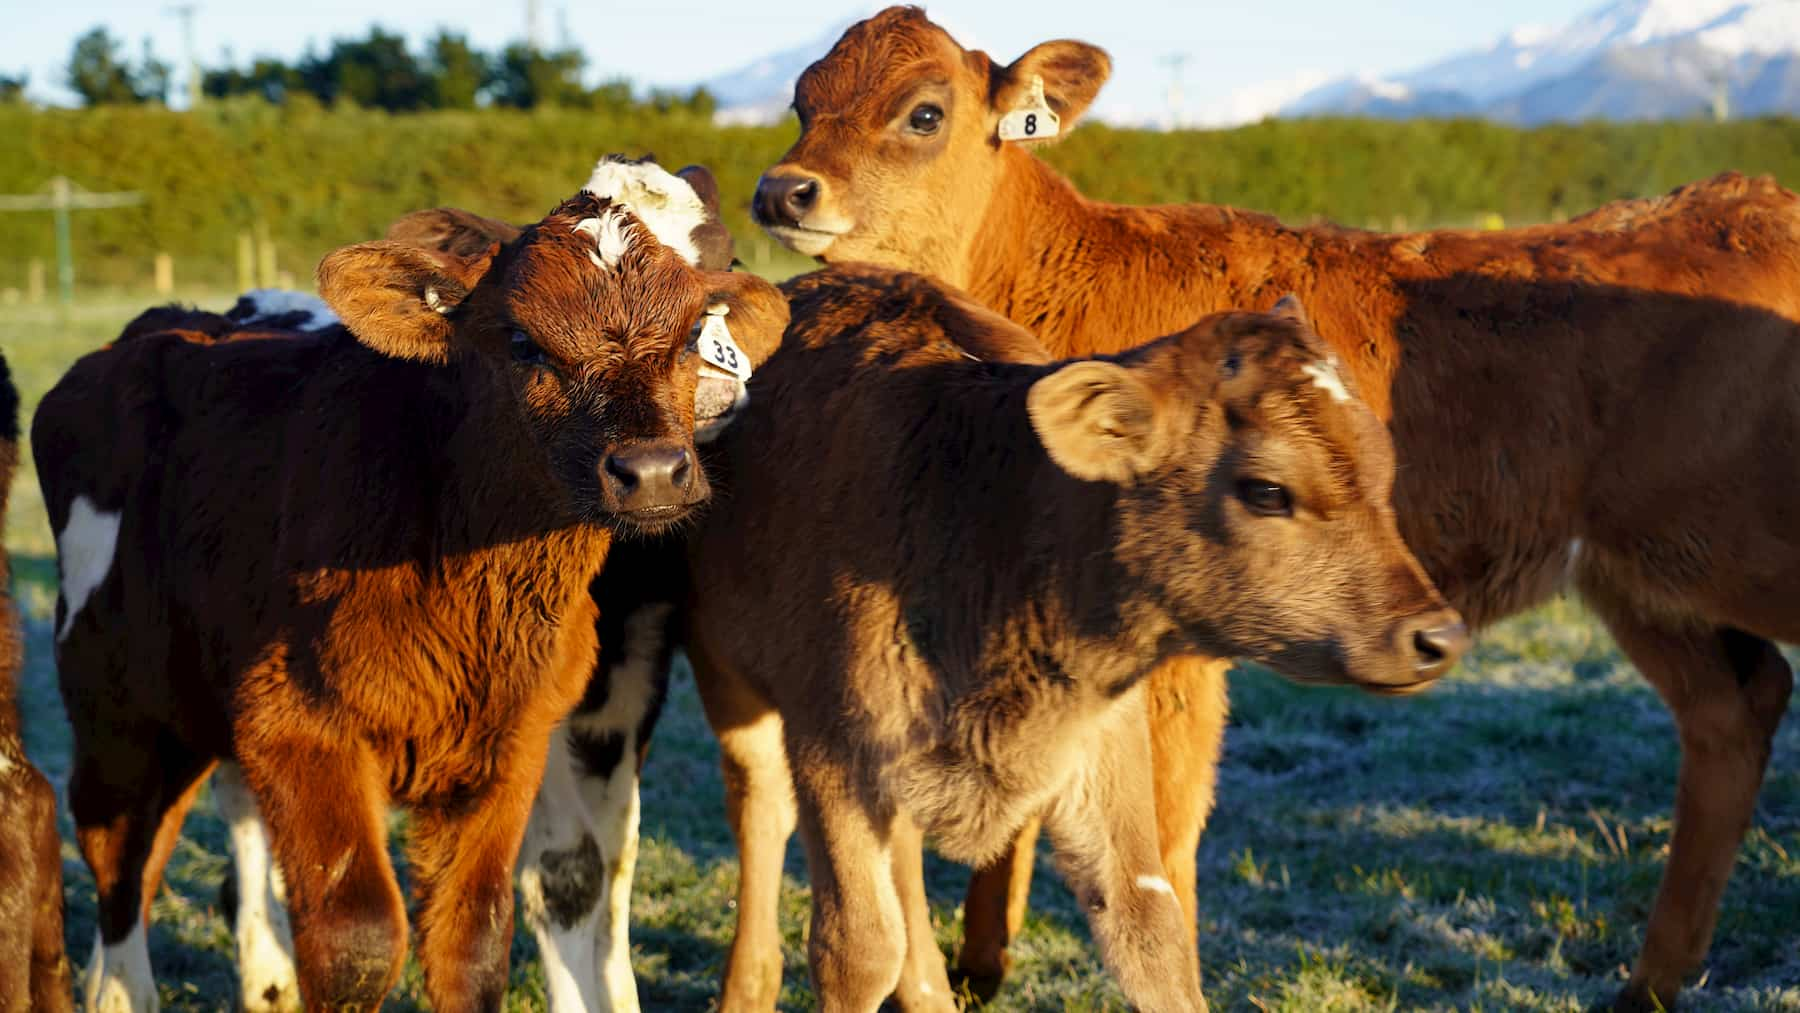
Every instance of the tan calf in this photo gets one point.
(1605, 405)
(995, 555)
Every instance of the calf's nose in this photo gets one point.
(785, 199)
(1434, 642)
(650, 476)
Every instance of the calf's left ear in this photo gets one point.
(1072, 73)
(759, 312)
(1097, 420)
(396, 297)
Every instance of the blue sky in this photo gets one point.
(1228, 45)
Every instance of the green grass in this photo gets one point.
(1491, 845)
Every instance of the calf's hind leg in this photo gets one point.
(128, 807)
(1103, 827)
(759, 802)
(1727, 691)
(267, 980)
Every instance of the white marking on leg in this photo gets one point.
(1574, 560)
(613, 802)
(118, 978)
(85, 551)
(267, 981)
(1325, 377)
(1155, 884)
(633, 679)
(663, 201)
(558, 827)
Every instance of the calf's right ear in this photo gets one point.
(1097, 420)
(759, 312)
(396, 297)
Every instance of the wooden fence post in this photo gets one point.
(165, 274)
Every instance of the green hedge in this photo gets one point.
(316, 178)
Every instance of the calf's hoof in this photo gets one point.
(1634, 999)
(982, 984)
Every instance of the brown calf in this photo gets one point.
(1544, 388)
(995, 554)
(34, 975)
(357, 563)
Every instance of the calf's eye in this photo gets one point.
(1265, 499)
(526, 350)
(926, 119)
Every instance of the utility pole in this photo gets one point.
(186, 13)
(534, 33)
(1176, 62)
(60, 197)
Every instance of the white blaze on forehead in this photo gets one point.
(1325, 377)
(1155, 884)
(611, 233)
(663, 201)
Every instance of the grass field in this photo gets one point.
(1491, 845)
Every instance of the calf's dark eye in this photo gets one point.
(526, 350)
(1265, 499)
(926, 119)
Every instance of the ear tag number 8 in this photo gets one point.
(716, 346)
(1033, 119)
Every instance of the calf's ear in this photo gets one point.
(396, 297)
(759, 312)
(451, 230)
(711, 238)
(1097, 420)
(1072, 73)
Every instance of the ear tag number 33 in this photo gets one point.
(716, 346)
(1033, 119)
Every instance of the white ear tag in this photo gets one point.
(1033, 119)
(716, 346)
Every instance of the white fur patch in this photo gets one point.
(612, 235)
(663, 201)
(7, 764)
(1325, 377)
(1155, 884)
(633, 680)
(559, 821)
(118, 977)
(84, 548)
(267, 980)
(275, 302)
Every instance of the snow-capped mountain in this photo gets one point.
(1631, 59)
(760, 92)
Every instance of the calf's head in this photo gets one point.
(1250, 501)
(586, 325)
(900, 147)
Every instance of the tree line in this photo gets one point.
(376, 71)
(312, 176)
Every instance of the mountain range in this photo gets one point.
(1626, 60)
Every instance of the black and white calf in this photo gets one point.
(580, 851)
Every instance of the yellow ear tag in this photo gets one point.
(1032, 120)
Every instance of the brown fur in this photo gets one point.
(1543, 385)
(34, 974)
(361, 568)
(915, 694)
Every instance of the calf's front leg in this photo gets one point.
(1104, 830)
(462, 859)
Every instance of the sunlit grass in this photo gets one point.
(1491, 845)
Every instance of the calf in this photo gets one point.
(1544, 387)
(34, 974)
(356, 562)
(995, 555)
(580, 852)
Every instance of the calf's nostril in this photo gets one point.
(621, 472)
(1439, 645)
(802, 194)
